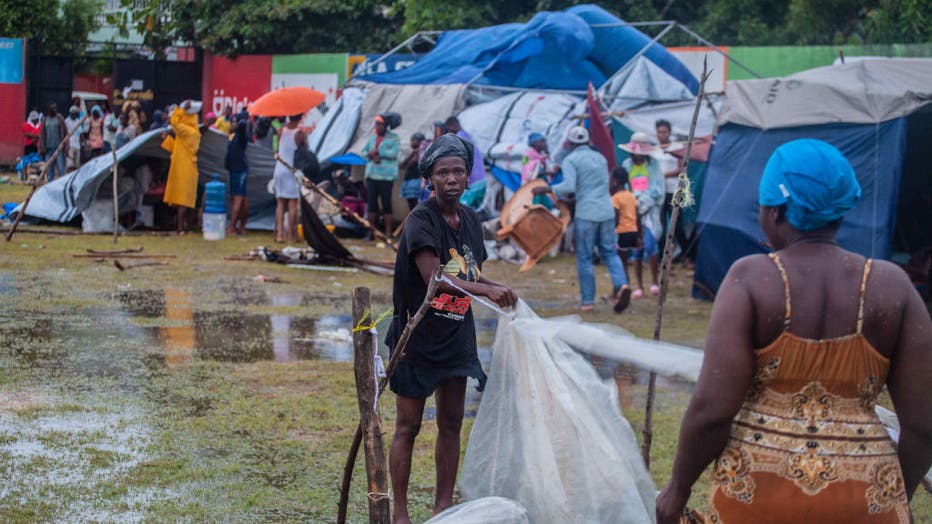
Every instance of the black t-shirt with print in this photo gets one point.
(446, 336)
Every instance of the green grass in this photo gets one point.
(173, 437)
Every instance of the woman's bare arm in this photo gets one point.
(727, 370)
(908, 382)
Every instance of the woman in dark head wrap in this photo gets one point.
(800, 344)
(441, 352)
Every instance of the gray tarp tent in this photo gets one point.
(63, 199)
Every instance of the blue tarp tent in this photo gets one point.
(870, 110)
(554, 50)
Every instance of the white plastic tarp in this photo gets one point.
(487, 510)
(859, 92)
(549, 432)
(333, 133)
(501, 127)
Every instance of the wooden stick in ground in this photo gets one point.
(397, 355)
(667, 261)
(42, 176)
(369, 420)
(116, 197)
(329, 198)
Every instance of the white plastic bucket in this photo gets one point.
(214, 226)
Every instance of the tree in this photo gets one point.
(62, 27)
(235, 27)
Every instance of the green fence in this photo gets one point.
(784, 60)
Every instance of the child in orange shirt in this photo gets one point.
(626, 215)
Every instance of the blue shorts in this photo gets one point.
(650, 247)
(238, 183)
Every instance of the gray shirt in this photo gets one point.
(585, 172)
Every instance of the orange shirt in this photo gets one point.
(627, 206)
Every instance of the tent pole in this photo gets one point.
(679, 199)
(639, 54)
(705, 42)
(407, 43)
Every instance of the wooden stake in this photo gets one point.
(667, 261)
(369, 420)
(397, 355)
(44, 174)
(329, 198)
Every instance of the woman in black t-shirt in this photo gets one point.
(441, 352)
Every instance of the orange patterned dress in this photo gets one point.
(806, 445)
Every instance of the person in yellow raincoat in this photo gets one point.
(181, 188)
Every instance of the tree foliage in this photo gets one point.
(62, 26)
(235, 27)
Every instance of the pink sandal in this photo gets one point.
(638, 293)
(655, 290)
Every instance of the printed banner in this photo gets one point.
(11, 61)
(237, 82)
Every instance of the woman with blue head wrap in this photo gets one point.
(800, 344)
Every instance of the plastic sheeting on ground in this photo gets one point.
(487, 510)
(63, 199)
(549, 432)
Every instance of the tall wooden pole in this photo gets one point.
(42, 176)
(369, 420)
(678, 199)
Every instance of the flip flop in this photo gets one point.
(655, 290)
(638, 293)
(585, 308)
(624, 299)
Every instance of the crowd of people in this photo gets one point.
(603, 223)
(103, 130)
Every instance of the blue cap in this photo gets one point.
(534, 137)
(813, 179)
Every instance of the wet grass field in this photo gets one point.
(194, 392)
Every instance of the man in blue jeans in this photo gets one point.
(585, 173)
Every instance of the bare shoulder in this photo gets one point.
(749, 267)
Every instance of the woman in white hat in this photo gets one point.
(646, 182)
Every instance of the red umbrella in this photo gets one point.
(287, 101)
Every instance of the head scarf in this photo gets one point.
(534, 137)
(33, 115)
(442, 147)
(813, 179)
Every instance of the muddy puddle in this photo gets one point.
(239, 334)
